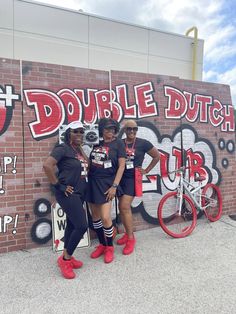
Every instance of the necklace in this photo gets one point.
(75, 148)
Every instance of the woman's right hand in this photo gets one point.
(66, 189)
(69, 189)
(110, 193)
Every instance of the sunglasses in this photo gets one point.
(112, 128)
(129, 129)
(78, 131)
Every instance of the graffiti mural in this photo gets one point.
(197, 107)
(7, 165)
(7, 104)
(52, 110)
(190, 123)
(9, 223)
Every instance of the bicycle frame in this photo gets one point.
(184, 186)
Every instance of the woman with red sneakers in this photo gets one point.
(136, 148)
(70, 188)
(107, 163)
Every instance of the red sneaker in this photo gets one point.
(66, 268)
(129, 247)
(99, 250)
(109, 254)
(122, 240)
(76, 263)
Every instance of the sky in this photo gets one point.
(215, 20)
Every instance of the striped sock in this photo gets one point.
(109, 235)
(98, 227)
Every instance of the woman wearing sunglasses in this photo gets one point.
(136, 148)
(70, 188)
(107, 163)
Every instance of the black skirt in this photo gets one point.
(97, 187)
(127, 185)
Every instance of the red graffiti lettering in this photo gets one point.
(72, 104)
(196, 164)
(122, 99)
(215, 118)
(179, 157)
(103, 100)
(198, 106)
(145, 100)
(116, 109)
(193, 108)
(204, 102)
(3, 116)
(177, 103)
(48, 109)
(170, 180)
(228, 123)
(89, 104)
(164, 157)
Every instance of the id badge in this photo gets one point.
(107, 164)
(129, 164)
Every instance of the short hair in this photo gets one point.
(105, 122)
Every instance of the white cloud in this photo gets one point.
(227, 77)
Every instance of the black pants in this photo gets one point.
(76, 223)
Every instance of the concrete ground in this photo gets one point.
(196, 274)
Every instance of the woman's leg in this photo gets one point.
(108, 231)
(105, 210)
(128, 239)
(76, 216)
(68, 230)
(125, 202)
(76, 227)
(97, 222)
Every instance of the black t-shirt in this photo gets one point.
(104, 158)
(135, 153)
(68, 164)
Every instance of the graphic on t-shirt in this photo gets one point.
(130, 153)
(99, 155)
(84, 165)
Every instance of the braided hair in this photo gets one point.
(67, 137)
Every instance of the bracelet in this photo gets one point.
(114, 185)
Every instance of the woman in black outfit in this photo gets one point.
(107, 163)
(136, 148)
(70, 188)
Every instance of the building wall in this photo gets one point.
(36, 98)
(36, 32)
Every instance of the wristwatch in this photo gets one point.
(114, 185)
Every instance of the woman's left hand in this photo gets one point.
(111, 193)
(143, 171)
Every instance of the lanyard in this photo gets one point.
(128, 152)
(106, 147)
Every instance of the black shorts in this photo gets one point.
(127, 185)
(97, 187)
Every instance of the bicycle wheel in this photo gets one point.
(175, 224)
(212, 202)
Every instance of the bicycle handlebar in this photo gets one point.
(181, 169)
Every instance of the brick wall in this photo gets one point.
(46, 96)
